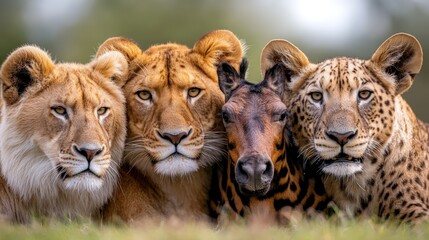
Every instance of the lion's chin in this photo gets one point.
(85, 181)
(176, 165)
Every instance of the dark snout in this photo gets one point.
(254, 175)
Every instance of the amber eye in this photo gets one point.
(144, 95)
(102, 111)
(316, 96)
(364, 94)
(59, 110)
(193, 92)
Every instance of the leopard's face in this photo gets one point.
(342, 114)
(343, 110)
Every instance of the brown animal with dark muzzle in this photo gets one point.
(262, 171)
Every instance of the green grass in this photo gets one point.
(320, 230)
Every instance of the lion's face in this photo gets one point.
(173, 104)
(172, 113)
(64, 124)
(343, 109)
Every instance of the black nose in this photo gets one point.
(255, 172)
(341, 138)
(175, 138)
(88, 153)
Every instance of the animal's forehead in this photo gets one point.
(247, 100)
(78, 86)
(340, 73)
(169, 68)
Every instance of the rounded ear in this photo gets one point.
(123, 45)
(229, 79)
(216, 47)
(282, 52)
(22, 68)
(401, 57)
(113, 65)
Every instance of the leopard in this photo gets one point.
(62, 131)
(353, 125)
(175, 133)
(262, 176)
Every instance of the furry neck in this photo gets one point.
(32, 177)
(183, 195)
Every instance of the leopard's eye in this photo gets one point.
(59, 110)
(144, 95)
(316, 96)
(364, 94)
(102, 111)
(194, 92)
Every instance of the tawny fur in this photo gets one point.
(364, 97)
(159, 101)
(40, 171)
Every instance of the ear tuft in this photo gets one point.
(400, 57)
(229, 79)
(275, 78)
(21, 69)
(112, 65)
(216, 47)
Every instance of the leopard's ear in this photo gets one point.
(23, 68)
(400, 59)
(216, 47)
(282, 52)
(113, 65)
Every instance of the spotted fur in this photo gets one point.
(353, 125)
(262, 174)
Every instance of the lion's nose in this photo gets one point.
(89, 152)
(175, 138)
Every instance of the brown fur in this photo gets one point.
(169, 72)
(56, 119)
(255, 119)
(382, 169)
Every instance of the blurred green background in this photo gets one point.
(71, 30)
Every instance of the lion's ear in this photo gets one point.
(216, 47)
(113, 65)
(286, 54)
(125, 46)
(22, 68)
(401, 57)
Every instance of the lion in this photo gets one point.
(175, 132)
(62, 131)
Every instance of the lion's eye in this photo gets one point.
(144, 95)
(316, 96)
(194, 92)
(102, 111)
(364, 94)
(59, 110)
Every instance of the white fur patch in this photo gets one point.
(176, 165)
(84, 181)
(343, 169)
